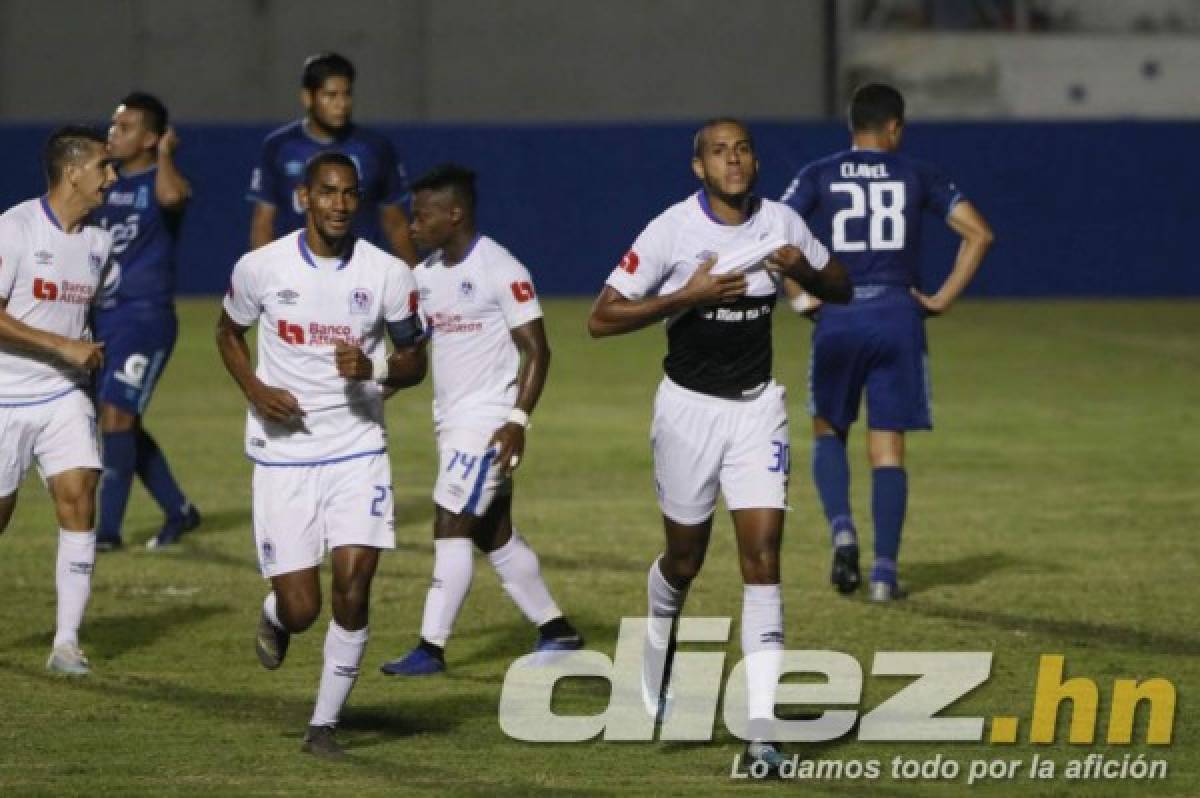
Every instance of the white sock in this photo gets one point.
(664, 603)
(343, 653)
(453, 567)
(73, 578)
(762, 645)
(517, 566)
(270, 610)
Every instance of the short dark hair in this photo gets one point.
(151, 107)
(323, 66)
(700, 138)
(67, 145)
(458, 179)
(327, 158)
(874, 105)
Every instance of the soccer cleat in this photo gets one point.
(173, 528)
(319, 741)
(844, 574)
(271, 643)
(767, 753)
(70, 659)
(883, 592)
(417, 662)
(108, 544)
(572, 642)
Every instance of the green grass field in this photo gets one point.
(1054, 511)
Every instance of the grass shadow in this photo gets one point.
(116, 635)
(969, 570)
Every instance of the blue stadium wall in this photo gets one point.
(1079, 209)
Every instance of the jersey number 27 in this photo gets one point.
(883, 203)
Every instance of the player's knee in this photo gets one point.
(297, 612)
(350, 602)
(760, 565)
(75, 503)
(680, 568)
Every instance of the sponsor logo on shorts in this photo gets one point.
(258, 443)
(268, 552)
(133, 373)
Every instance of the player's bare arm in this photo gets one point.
(273, 404)
(534, 349)
(18, 335)
(262, 225)
(394, 222)
(977, 237)
(614, 314)
(831, 284)
(171, 188)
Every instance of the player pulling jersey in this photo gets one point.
(719, 420)
(280, 172)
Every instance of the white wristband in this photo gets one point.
(518, 416)
(802, 303)
(379, 367)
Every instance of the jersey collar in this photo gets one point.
(706, 206)
(310, 259)
(45, 203)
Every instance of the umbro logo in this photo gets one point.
(287, 296)
(43, 258)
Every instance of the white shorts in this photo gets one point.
(469, 478)
(702, 443)
(59, 435)
(301, 511)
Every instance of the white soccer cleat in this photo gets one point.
(70, 659)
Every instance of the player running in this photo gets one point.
(50, 267)
(490, 359)
(322, 301)
(328, 95)
(868, 202)
(708, 266)
(136, 315)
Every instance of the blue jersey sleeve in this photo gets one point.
(939, 191)
(393, 175)
(803, 193)
(264, 182)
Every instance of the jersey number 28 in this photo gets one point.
(883, 202)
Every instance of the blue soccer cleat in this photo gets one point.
(572, 642)
(174, 528)
(417, 662)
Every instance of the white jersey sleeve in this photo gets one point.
(243, 301)
(647, 264)
(399, 305)
(513, 288)
(802, 238)
(12, 248)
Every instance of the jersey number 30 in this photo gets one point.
(883, 202)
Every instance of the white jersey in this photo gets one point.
(304, 305)
(470, 307)
(722, 350)
(48, 278)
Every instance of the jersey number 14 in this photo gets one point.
(883, 204)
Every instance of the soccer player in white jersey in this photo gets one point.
(50, 265)
(323, 301)
(490, 359)
(710, 267)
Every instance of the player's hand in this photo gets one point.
(352, 363)
(706, 288)
(168, 143)
(933, 305)
(87, 355)
(275, 404)
(509, 442)
(789, 261)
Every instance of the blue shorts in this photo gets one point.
(878, 346)
(136, 349)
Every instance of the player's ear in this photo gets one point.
(698, 168)
(302, 196)
(306, 99)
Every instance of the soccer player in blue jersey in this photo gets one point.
(328, 96)
(868, 203)
(135, 317)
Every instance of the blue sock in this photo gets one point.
(156, 476)
(119, 458)
(831, 474)
(889, 498)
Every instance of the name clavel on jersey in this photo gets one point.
(867, 170)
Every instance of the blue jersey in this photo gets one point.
(142, 265)
(381, 175)
(867, 205)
